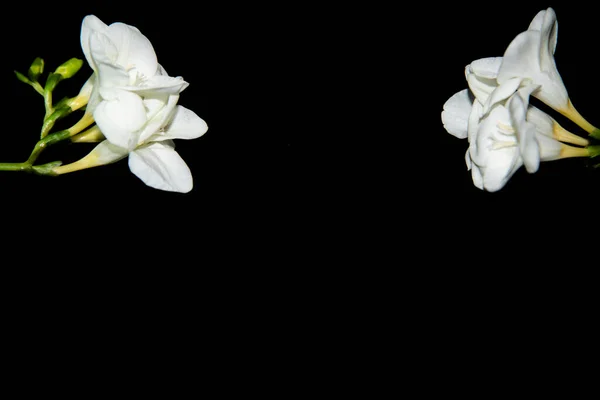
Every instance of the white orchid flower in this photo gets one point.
(531, 56)
(154, 159)
(126, 75)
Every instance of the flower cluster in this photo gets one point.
(131, 109)
(505, 131)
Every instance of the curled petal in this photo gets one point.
(474, 119)
(525, 132)
(549, 32)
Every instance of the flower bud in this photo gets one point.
(36, 69)
(69, 68)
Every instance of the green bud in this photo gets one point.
(36, 69)
(69, 68)
(52, 81)
(22, 78)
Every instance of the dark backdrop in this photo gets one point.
(326, 190)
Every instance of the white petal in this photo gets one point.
(549, 30)
(530, 149)
(521, 58)
(106, 153)
(455, 114)
(120, 117)
(497, 176)
(161, 71)
(90, 24)
(102, 49)
(474, 118)
(525, 58)
(542, 121)
(185, 124)
(135, 50)
(477, 177)
(159, 85)
(525, 91)
(537, 21)
(159, 166)
(502, 92)
(468, 160)
(94, 100)
(486, 67)
(525, 132)
(104, 55)
(492, 152)
(549, 148)
(481, 76)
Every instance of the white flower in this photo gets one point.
(126, 75)
(530, 56)
(503, 130)
(134, 104)
(154, 159)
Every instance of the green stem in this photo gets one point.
(45, 142)
(44, 169)
(28, 166)
(48, 102)
(51, 119)
(15, 167)
(595, 134)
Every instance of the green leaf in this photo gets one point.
(36, 69)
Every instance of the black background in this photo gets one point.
(326, 189)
